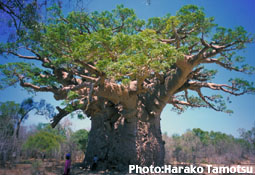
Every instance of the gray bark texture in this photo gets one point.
(125, 137)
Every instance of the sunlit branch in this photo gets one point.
(90, 68)
(37, 88)
(193, 85)
(37, 57)
(24, 56)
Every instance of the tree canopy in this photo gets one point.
(87, 58)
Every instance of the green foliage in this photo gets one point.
(224, 35)
(80, 138)
(242, 85)
(9, 108)
(122, 48)
(43, 141)
(118, 42)
(57, 131)
(212, 137)
(14, 71)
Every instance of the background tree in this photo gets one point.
(80, 138)
(249, 137)
(28, 105)
(12, 115)
(198, 146)
(8, 113)
(42, 143)
(18, 113)
(122, 71)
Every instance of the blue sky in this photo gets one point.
(227, 13)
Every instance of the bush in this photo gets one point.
(42, 142)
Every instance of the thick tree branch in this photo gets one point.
(184, 103)
(37, 88)
(88, 78)
(61, 114)
(59, 93)
(46, 61)
(117, 94)
(80, 104)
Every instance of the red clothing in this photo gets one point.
(67, 167)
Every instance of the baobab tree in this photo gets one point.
(122, 71)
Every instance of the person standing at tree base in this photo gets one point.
(94, 164)
(67, 164)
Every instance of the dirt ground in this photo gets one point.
(47, 167)
(53, 167)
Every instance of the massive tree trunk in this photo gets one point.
(121, 137)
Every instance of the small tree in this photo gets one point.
(42, 143)
(249, 137)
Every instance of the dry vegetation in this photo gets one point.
(195, 147)
(53, 167)
(201, 147)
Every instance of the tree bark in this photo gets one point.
(121, 137)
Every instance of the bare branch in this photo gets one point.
(37, 57)
(171, 40)
(225, 65)
(204, 99)
(185, 103)
(24, 56)
(178, 107)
